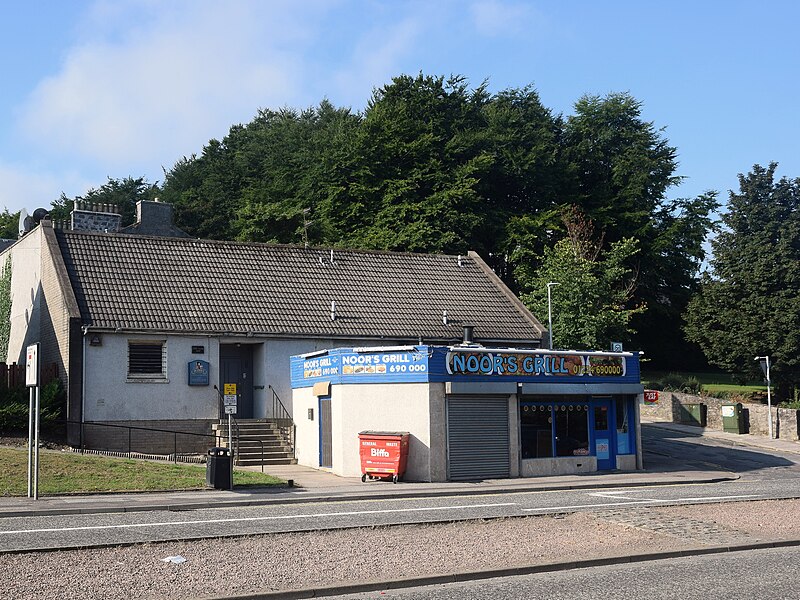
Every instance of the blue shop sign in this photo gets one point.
(198, 372)
(408, 364)
(361, 365)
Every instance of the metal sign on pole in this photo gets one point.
(763, 361)
(229, 401)
(32, 382)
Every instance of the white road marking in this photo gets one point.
(578, 506)
(244, 519)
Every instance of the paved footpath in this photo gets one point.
(311, 485)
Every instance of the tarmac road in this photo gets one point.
(108, 529)
(681, 448)
(762, 474)
(770, 573)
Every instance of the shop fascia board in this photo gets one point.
(592, 389)
(479, 388)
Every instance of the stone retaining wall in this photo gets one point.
(784, 420)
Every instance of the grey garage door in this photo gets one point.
(477, 438)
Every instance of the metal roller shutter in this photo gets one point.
(477, 438)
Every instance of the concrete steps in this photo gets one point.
(260, 442)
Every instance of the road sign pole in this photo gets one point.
(769, 399)
(764, 363)
(32, 382)
(230, 436)
(30, 442)
(36, 451)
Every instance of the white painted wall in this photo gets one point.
(109, 396)
(26, 270)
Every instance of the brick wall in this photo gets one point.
(55, 312)
(98, 436)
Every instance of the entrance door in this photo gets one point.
(325, 433)
(604, 445)
(236, 366)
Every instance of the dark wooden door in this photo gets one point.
(236, 366)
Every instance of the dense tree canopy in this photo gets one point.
(749, 305)
(592, 301)
(9, 225)
(434, 165)
(122, 193)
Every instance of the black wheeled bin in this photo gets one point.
(219, 469)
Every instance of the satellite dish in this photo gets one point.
(39, 214)
(23, 217)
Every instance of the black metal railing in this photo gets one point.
(125, 443)
(283, 421)
(126, 447)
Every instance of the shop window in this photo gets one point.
(147, 359)
(572, 429)
(536, 422)
(623, 435)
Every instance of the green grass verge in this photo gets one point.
(63, 473)
(711, 381)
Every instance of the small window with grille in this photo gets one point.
(147, 359)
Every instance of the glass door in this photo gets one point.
(604, 446)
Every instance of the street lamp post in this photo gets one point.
(769, 391)
(550, 311)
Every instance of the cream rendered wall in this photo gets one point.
(26, 276)
(381, 407)
(626, 462)
(514, 445)
(438, 416)
(109, 396)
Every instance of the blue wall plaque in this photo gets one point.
(198, 372)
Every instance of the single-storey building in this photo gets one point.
(471, 411)
(147, 326)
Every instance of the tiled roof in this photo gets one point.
(186, 285)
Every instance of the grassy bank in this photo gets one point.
(65, 473)
(711, 382)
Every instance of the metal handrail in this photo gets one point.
(283, 420)
(131, 428)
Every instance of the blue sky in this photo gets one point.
(92, 89)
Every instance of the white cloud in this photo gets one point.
(375, 59)
(496, 18)
(29, 187)
(157, 84)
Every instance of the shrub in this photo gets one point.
(13, 417)
(674, 382)
(14, 405)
